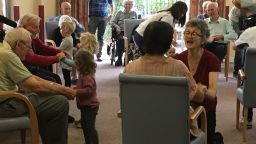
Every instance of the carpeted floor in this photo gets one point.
(109, 126)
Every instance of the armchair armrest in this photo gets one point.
(31, 111)
(199, 111)
(241, 77)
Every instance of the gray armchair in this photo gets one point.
(50, 27)
(245, 88)
(21, 123)
(155, 110)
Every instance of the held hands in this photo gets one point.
(200, 93)
(61, 55)
(215, 38)
(70, 93)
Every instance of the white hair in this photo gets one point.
(65, 18)
(215, 4)
(27, 18)
(125, 1)
(205, 3)
(16, 34)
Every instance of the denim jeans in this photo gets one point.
(99, 24)
(88, 118)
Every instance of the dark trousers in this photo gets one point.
(44, 74)
(238, 61)
(88, 118)
(67, 77)
(218, 49)
(211, 125)
(120, 45)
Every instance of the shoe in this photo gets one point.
(218, 138)
(235, 75)
(99, 60)
(249, 123)
(71, 119)
(118, 63)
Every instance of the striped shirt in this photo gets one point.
(99, 8)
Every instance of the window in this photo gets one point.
(148, 7)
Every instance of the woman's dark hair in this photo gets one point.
(157, 38)
(85, 62)
(178, 11)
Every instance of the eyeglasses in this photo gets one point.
(193, 34)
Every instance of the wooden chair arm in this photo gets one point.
(241, 77)
(241, 74)
(126, 47)
(199, 111)
(31, 112)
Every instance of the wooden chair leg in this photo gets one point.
(245, 124)
(237, 113)
(226, 70)
(23, 136)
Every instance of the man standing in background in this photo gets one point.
(98, 18)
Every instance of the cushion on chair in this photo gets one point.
(9, 124)
(200, 139)
(239, 93)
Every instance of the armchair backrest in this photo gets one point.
(50, 27)
(250, 77)
(129, 25)
(155, 109)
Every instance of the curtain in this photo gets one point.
(79, 10)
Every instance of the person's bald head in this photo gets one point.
(65, 8)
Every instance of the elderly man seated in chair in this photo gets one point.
(221, 32)
(118, 27)
(49, 98)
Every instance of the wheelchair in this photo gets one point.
(111, 47)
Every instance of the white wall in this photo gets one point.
(31, 6)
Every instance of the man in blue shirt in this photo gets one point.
(98, 18)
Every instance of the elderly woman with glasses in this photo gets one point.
(204, 66)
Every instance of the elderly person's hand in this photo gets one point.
(200, 93)
(218, 37)
(61, 55)
(210, 39)
(70, 93)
